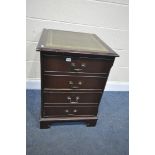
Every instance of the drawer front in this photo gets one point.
(73, 82)
(70, 111)
(81, 65)
(71, 98)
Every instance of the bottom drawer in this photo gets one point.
(70, 111)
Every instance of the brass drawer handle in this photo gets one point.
(74, 111)
(77, 98)
(79, 83)
(83, 65)
(71, 83)
(73, 64)
(78, 69)
(73, 102)
(74, 87)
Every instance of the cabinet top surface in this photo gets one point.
(73, 42)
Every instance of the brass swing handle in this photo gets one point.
(72, 112)
(71, 83)
(73, 102)
(78, 69)
(83, 65)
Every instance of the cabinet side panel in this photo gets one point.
(41, 74)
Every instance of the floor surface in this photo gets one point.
(109, 137)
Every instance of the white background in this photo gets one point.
(13, 77)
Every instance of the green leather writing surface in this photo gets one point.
(73, 41)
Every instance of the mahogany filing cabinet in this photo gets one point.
(74, 71)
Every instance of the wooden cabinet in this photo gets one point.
(74, 71)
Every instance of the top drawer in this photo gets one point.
(76, 64)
